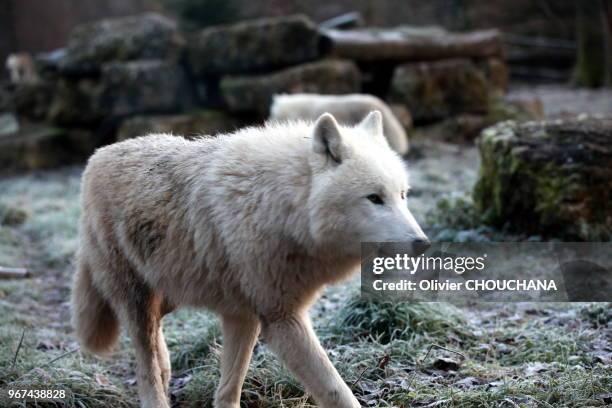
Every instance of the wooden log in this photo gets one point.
(412, 44)
(13, 273)
(347, 20)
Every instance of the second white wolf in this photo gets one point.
(250, 225)
(347, 109)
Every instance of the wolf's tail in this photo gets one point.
(95, 322)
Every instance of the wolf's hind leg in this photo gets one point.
(142, 318)
(294, 341)
(163, 359)
(239, 337)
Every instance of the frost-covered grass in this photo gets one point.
(511, 355)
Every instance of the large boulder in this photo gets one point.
(39, 147)
(32, 100)
(124, 88)
(145, 36)
(462, 128)
(497, 73)
(76, 103)
(254, 93)
(200, 123)
(548, 178)
(6, 98)
(436, 90)
(256, 45)
(465, 127)
(144, 86)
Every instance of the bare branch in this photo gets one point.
(13, 273)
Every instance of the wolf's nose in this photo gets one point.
(419, 246)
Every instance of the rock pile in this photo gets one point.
(109, 70)
(117, 75)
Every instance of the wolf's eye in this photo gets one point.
(376, 199)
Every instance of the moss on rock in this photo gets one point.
(435, 90)
(548, 178)
(254, 46)
(144, 36)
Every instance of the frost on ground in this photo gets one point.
(510, 355)
(559, 100)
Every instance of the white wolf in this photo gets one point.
(347, 109)
(250, 225)
(21, 68)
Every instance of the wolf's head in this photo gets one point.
(359, 188)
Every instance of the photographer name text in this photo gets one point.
(468, 285)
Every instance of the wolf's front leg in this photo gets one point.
(296, 344)
(239, 337)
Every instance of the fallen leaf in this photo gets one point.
(604, 357)
(382, 363)
(102, 380)
(45, 345)
(536, 368)
(468, 382)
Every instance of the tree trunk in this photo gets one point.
(591, 48)
(606, 16)
(13, 273)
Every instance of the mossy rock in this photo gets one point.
(497, 73)
(75, 103)
(41, 147)
(548, 178)
(254, 93)
(123, 89)
(6, 98)
(32, 100)
(144, 86)
(144, 36)
(199, 123)
(465, 127)
(254, 46)
(436, 90)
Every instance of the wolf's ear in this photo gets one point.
(373, 123)
(326, 138)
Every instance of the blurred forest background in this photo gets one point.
(544, 36)
(507, 105)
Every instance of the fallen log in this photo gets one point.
(412, 44)
(347, 20)
(13, 273)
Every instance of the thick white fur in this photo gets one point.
(347, 109)
(250, 225)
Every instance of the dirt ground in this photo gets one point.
(514, 355)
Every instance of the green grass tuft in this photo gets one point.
(384, 321)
